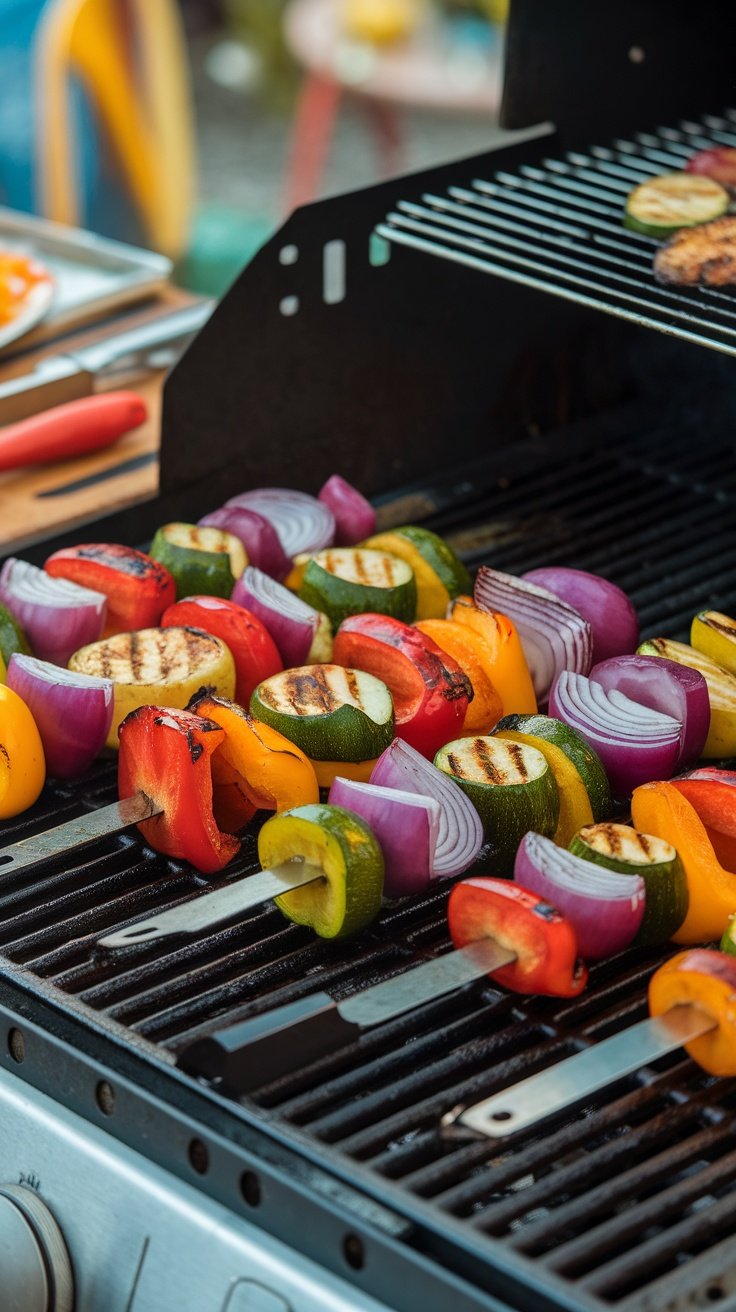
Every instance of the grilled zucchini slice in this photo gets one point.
(162, 667)
(202, 560)
(332, 713)
(344, 581)
(510, 784)
(661, 206)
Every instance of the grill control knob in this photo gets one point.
(35, 1271)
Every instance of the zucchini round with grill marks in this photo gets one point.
(510, 785)
(346, 581)
(162, 667)
(661, 206)
(332, 713)
(440, 574)
(625, 850)
(586, 761)
(200, 559)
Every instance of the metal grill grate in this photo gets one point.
(631, 1205)
(557, 227)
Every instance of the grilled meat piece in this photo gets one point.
(705, 254)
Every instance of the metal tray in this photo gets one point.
(93, 274)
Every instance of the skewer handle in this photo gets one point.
(77, 833)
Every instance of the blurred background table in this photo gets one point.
(440, 66)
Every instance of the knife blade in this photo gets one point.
(256, 1051)
(100, 475)
(156, 344)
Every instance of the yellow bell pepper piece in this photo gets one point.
(660, 809)
(3, 670)
(575, 808)
(715, 635)
(22, 764)
(507, 663)
(327, 771)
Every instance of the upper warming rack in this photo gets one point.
(557, 226)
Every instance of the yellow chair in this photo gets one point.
(130, 57)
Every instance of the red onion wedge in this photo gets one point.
(553, 635)
(257, 534)
(665, 686)
(406, 826)
(605, 908)
(58, 616)
(303, 523)
(290, 621)
(460, 835)
(355, 517)
(613, 621)
(634, 743)
(73, 712)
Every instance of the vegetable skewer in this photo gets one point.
(691, 1004)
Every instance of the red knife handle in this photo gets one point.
(71, 430)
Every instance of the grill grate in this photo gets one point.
(557, 227)
(631, 1203)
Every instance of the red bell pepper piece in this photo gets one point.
(429, 689)
(137, 588)
(712, 793)
(544, 941)
(167, 754)
(253, 649)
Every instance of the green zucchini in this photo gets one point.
(344, 581)
(621, 848)
(440, 574)
(661, 206)
(12, 637)
(203, 560)
(510, 785)
(586, 761)
(332, 713)
(728, 942)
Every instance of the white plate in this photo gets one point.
(35, 306)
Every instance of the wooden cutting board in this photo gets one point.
(26, 517)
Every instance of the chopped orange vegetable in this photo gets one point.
(660, 809)
(327, 771)
(507, 664)
(472, 655)
(256, 768)
(706, 980)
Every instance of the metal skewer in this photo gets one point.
(576, 1078)
(254, 1052)
(77, 833)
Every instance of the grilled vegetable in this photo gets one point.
(506, 662)
(251, 646)
(660, 206)
(472, 654)
(260, 540)
(12, 637)
(332, 713)
(22, 765)
(167, 754)
(406, 826)
(705, 255)
(199, 559)
(664, 686)
(715, 635)
(256, 768)
(544, 941)
(728, 941)
(342, 845)
(460, 835)
(660, 809)
(511, 786)
(605, 908)
(712, 793)
(138, 589)
(355, 517)
(575, 748)
(72, 712)
(57, 615)
(621, 848)
(302, 522)
(718, 163)
(721, 740)
(554, 636)
(430, 693)
(440, 574)
(157, 666)
(349, 580)
(575, 808)
(706, 980)
(613, 621)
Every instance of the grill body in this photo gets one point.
(530, 424)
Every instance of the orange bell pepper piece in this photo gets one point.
(256, 768)
(473, 656)
(660, 809)
(713, 794)
(506, 662)
(360, 771)
(707, 980)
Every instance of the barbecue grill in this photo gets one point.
(563, 409)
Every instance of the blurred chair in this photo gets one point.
(129, 56)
